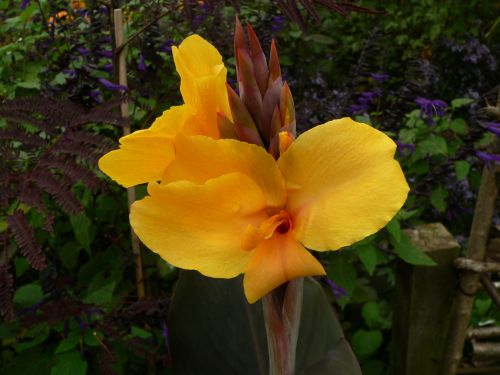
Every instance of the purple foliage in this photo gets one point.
(488, 158)
(337, 290)
(493, 127)
(24, 4)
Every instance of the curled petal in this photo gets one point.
(144, 154)
(199, 159)
(343, 183)
(203, 79)
(275, 261)
(199, 227)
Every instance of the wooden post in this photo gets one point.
(469, 282)
(122, 80)
(423, 303)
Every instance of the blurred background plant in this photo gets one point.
(422, 71)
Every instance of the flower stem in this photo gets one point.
(282, 319)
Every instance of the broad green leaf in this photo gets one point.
(28, 295)
(139, 332)
(68, 343)
(462, 169)
(410, 254)
(214, 330)
(341, 271)
(459, 126)
(365, 343)
(38, 334)
(368, 256)
(101, 296)
(394, 229)
(81, 226)
(438, 198)
(434, 145)
(69, 363)
(482, 306)
(460, 102)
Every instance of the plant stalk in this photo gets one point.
(282, 320)
(122, 80)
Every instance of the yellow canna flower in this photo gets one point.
(144, 154)
(226, 207)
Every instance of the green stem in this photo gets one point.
(282, 319)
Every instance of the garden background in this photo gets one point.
(425, 72)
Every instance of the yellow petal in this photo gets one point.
(203, 80)
(144, 154)
(275, 261)
(343, 183)
(200, 226)
(200, 158)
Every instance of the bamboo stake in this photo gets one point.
(122, 80)
(481, 223)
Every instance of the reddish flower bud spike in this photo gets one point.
(241, 116)
(259, 60)
(249, 89)
(239, 40)
(274, 65)
(248, 135)
(276, 123)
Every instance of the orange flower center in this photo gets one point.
(253, 235)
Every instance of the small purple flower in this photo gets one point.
(83, 325)
(142, 64)
(430, 108)
(488, 158)
(82, 51)
(107, 67)
(167, 46)
(71, 73)
(96, 96)
(402, 146)
(379, 77)
(493, 127)
(24, 4)
(111, 86)
(164, 332)
(337, 291)
(277, 23)
(105, 53)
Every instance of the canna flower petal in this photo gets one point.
(144, 154)
(343, 183)
(199, 226)
(275, 261)
(200, 158)
(203, 83)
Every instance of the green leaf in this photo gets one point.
(81, 226)
(368, 256)
(371, 314)
(139, 332)
(460, 102)
(69, 363)
(59, 79)
(434, 145)
(462, 169)
(410, 254)
(365, 343)
(32, 361)
(438, 198)
(341, 271)
(69, 343)
(482, 306)
(38, 333)
(101, 296)
(459, 126)
(214, 330)
(394, 229)
(28, 295)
